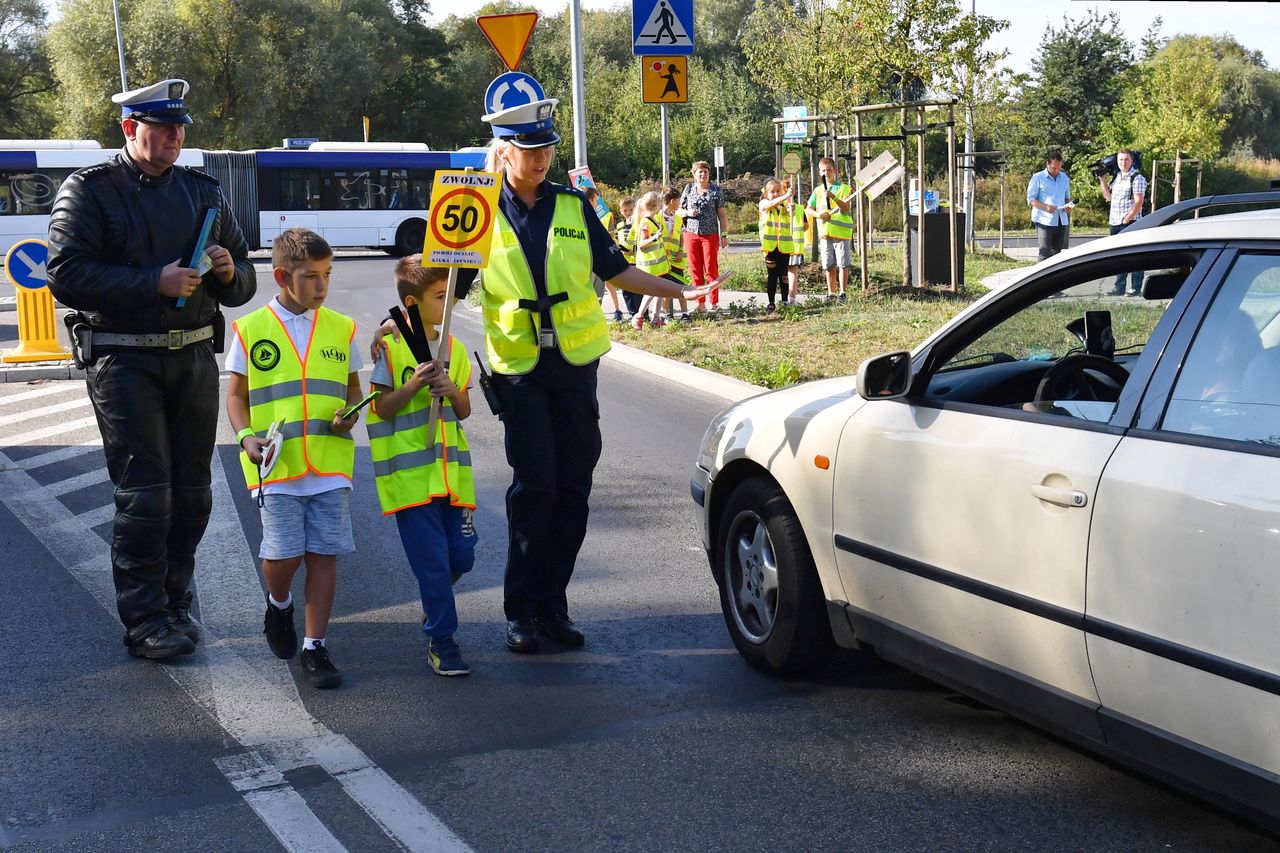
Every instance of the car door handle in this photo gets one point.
(1061, 497)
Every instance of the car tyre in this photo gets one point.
(770, 595)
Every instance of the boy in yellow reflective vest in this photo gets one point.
(427, 485)
(294, 362)
(829, 207)
(624, 237)
(675, 249)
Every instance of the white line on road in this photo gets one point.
(7, 400)
(32, 414)
(62, 454)
(82, 481)
(47, 432)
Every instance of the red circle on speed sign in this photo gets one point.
(482, 226)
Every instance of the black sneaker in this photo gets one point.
(277, 624)
(180, 618)
(319, 669)
(445, 658)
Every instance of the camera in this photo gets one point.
(1108, 166)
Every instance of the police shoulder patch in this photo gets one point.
(95, 170)
(264, 354)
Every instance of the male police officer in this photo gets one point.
(120, 239)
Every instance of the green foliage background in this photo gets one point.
(265, 69)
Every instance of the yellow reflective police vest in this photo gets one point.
(652, 258)
(304, 390)
(512, 315)
(801, 232)
(840, 225)
(409, 471)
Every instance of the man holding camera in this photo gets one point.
(1127, 192)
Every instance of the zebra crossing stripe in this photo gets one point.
(32, 414)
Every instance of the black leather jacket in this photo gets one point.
(114, 228)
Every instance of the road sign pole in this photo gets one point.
(579, 89)
(666, 150)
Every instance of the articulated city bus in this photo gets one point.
(367, 195)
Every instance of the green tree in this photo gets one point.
(1077, 83)
(1173, 103)
(25, 77)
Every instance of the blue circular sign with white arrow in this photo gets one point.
(27, 264)
(512, 90)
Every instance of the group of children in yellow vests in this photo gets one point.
(649, 231)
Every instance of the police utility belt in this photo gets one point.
(546, 337)
(85, 339)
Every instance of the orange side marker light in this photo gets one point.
(822, 462)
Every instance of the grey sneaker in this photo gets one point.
(445, 658)
(319, 668)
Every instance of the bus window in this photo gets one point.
(6, 197)
(31, 193)
(419, 189)
(397, 181)
(299, 189)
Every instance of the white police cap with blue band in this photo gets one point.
(529, 125)
(161, 103)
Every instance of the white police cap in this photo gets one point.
(160, 103)
(529, 125)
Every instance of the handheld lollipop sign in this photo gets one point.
(463, 207)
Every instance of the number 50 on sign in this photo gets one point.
(463, 207)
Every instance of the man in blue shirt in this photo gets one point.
(1049, 194)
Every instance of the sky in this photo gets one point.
(1256, 25)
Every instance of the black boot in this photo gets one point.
(164, 643)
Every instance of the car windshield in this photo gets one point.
(1043, 331)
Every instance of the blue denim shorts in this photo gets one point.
(314, 524)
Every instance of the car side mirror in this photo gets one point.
(884, 377)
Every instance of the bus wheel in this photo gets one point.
(409, 237)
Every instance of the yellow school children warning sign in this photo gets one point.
(664, 79)
(464, 205)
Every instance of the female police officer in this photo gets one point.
(544, 333)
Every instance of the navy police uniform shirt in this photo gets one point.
(531, 225)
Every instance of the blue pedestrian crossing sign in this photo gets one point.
(27, 264)
(662, 27)
(511, 90)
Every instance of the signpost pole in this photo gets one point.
(579, 90)
(666, 150)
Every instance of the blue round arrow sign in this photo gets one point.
(511, 90)
(27, 264)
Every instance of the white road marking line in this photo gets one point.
(53, 409)
(257, 711)
(47, 432)
(83, 481)
(44, 391)
(90, 519)
(62, 454)
(280, 807)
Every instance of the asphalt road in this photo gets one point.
(654, 737)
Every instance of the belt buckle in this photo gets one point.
(548, 339)
(175, 339)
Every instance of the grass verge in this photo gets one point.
(814, 340)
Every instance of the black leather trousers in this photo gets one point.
(158, 414)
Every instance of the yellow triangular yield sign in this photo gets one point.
(509, 34)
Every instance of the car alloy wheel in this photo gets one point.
(752, 577)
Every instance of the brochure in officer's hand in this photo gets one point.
(198, 258)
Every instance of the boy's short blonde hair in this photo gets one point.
(412, 277)
(297, 245)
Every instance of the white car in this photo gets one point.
(1065, 502)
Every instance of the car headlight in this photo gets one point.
(711, 440)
